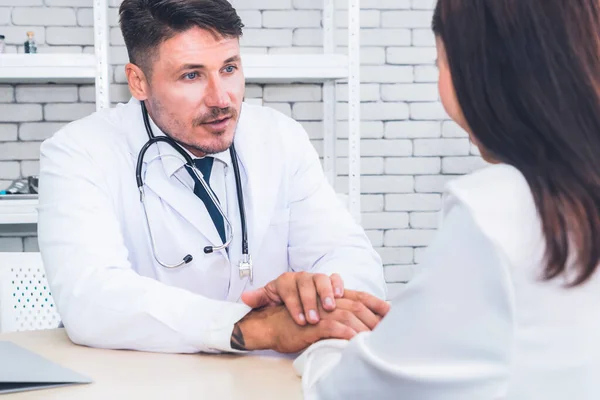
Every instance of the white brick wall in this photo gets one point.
(291, 19)
(426, 73)
(7, 94)
(48, 16)
(8, 132)
(410, 150)
(4, 16)
(46, 94)
(405, 19)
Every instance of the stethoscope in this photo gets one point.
(245, 265)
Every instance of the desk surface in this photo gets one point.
(119, 374)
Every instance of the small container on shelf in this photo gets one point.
(30, 45)
(2, 44)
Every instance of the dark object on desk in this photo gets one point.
(21, 370)
(27, 185)
(33, 182)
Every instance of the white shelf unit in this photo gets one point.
(14, 212)
(67, 68)
(258, 68)
(327, 68)
(292, 68)
(47, 68)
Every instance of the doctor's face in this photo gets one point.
(195, 90)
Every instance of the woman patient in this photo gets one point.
(507, 303)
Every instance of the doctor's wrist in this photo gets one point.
(253, 331)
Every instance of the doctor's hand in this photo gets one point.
(273, 328)
(300, 292)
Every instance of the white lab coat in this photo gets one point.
(477, 323)
(110, 291)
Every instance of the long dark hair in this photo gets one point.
(527, 77)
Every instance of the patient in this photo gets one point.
(507, 303)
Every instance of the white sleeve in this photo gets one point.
(324, 238)
(102, 301)
(448, 336)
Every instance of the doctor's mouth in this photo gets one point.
(218, 120)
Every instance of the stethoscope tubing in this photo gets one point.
(152, 139)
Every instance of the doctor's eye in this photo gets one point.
(230, 69)
(190, 76)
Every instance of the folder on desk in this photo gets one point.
(22, 370)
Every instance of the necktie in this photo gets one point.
(204, 165)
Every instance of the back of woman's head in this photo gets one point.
(526, 74)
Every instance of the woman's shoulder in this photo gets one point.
(500, 184)
(501, 203)
(499, 188)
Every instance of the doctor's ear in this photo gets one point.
(138, 83)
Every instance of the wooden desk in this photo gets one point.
(119, 374)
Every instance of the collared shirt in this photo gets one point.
(218, 177)
(222, 178)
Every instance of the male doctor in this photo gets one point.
(113, 262)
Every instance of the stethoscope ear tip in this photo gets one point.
(208, 250)
(188, 259)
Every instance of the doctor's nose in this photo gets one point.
(216, 94)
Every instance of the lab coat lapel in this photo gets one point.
(253, 146)
(168, 188)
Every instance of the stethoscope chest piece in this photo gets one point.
(245, 267)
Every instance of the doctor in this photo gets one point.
(158, 219)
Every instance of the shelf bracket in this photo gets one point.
(354, 109)
(101, 46)
(329, 98)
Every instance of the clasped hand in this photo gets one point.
(300, 308)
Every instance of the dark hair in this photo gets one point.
(146, 24)
(527, 77)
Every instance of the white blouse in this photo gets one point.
(477, 322)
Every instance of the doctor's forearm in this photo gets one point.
(127, 311)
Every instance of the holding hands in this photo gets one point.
(299, 308)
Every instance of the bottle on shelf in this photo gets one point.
(2, 44)
(30, 46)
